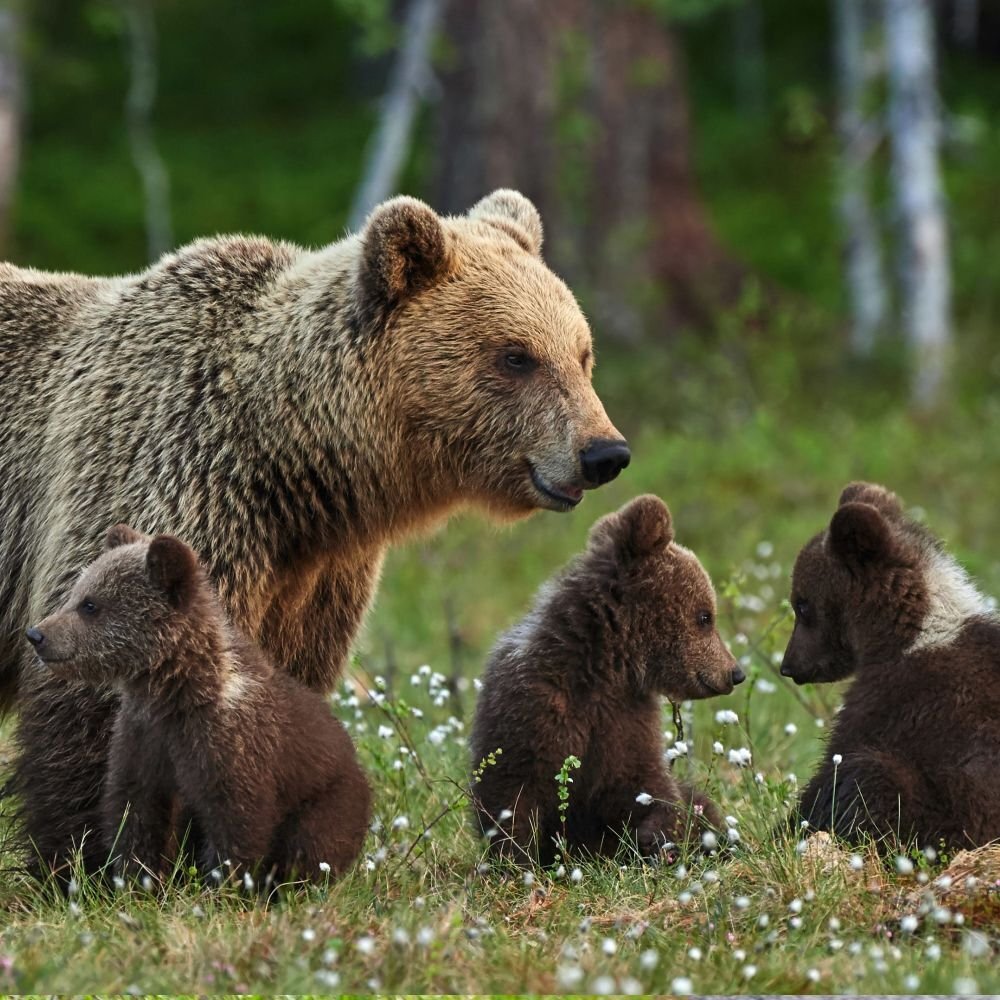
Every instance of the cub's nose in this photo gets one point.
(34, 636)
(738, 676)
(603, 460)
(786, 669)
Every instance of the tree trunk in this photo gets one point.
(408, 83)
(140, 42)
(915, 128)
(11, 105)
(581, 104)
(858, 139)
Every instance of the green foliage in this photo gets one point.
(563, 781)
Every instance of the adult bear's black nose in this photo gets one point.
(35, 637)
(738, 676)
(603, 460)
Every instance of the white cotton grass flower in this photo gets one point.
(609, 946)
(365, 945)
(505, 814)
(791, 729)
(856, 862)
(904, 865)
(649, 959)
(308, 935)
(384, 732)
(694, 954)
(709, 840)
(838, 759)
(324, 867)
(576, 875)
(603, 985)
(909, 923)
(726, 717)
(248, 882)
(569, 976)
(718, 748)
(401, 823)
(740, 757)
(681, 986)
(644, 799)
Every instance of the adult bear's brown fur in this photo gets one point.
(918, 736)
(205, 725)
(631, 619)
(290, 413)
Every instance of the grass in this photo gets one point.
(419, 915)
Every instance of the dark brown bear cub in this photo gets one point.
(631, 619)
(207, 726)
(914, 753)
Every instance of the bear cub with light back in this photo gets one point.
(207, 730)
(914, 753)
(628, 621)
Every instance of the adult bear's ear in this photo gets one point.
(871, 493)
(511, 212)
(404, 250)
(642, 527)
(173, 568)
(861, 536)
(121, 534)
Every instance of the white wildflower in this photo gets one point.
(644, 799)
(726, 717)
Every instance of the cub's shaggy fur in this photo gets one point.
(918, 737)
(206, 728)
(631, 619)
(290, 413)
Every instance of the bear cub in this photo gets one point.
(207, 730)
(917, 742)
(628, 621)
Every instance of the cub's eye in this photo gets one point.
(704, 619)
(518, 362)
(87, 607)
(801, 607)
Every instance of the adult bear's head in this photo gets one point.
(491, 355)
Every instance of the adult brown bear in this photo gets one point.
(288, 412)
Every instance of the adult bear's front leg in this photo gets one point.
(310, 634)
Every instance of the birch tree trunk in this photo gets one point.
(411, 74)
(11, 104)
(140, 41)
(915, 129)
(858, 139)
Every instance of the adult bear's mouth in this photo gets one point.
(560, 496)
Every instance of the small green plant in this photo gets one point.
(563, 781)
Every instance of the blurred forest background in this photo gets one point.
(781, 217)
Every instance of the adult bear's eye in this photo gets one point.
(518, 362)
(704, 619)
(87, 607)
(801, 608)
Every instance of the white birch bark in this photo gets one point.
(140, 42)
(11, 105)
(411, 74)
(858, 138)
(915, 128)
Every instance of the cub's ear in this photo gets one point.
(121, 534)
(871, 493)
(514, 214)
(404, 250)
(643, 526)
(173, 567)
(860, 535)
